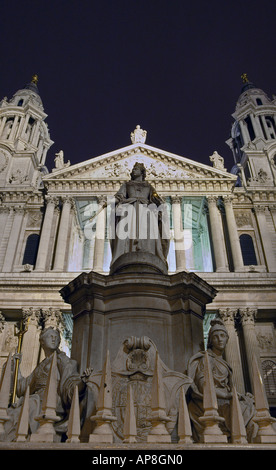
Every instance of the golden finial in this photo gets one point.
(244, 78)
(35, 79)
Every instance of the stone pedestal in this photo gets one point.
(107, 309)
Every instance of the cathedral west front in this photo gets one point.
(55, 231)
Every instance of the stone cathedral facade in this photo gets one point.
(51, 229)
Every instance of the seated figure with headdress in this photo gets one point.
(222, 376)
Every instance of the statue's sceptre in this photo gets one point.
(20, 333)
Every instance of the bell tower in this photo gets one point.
(24, 136)
(253, 135)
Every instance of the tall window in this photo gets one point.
(248, 250)
(269, 374)
(31, 249)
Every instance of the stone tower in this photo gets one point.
(24, 142)
(253, 136)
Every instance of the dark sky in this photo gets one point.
(105, 66)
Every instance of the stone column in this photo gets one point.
(45, 234)
(4, 213)
(232, 350)
(265, 238)
(178, 234)
(2, 125)
(2, 327)
(13, 239)
(247, 316)
(233, 234)
(217, 235)
(62, 239)
(244, 131)
(14, 126)
(100, 237)
(30, 343)
(272, 210)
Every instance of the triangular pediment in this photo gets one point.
(160, 165)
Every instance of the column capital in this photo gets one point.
(248, 315)
(259, 209)
(31, 315)
(52, 200)
(176, 199)
(52, 317)
(2, 322)
(272, 208)
(68, 200)
(212, 199)
(101, 199)
(228, 199)
(228, 315)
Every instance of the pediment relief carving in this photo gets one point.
(159, 165)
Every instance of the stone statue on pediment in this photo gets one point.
(59, 161)
(218, 161)
(138, 136)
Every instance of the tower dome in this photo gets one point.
(250, 94)
(254, 120)
(29, 93)
(22, 123)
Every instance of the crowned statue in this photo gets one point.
(140, 232)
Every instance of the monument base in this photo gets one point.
(168, 309)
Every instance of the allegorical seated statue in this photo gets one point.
(141, 224)
(68, 378)
(222, 375)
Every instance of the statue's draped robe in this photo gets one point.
(68, 377)
(151, 236)
(222, 375)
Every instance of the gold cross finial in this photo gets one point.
(244, 78)
(35, 79)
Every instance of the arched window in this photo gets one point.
(269, 375)
(20, 103)
(31, 249)
(248, 250)
(259, 102)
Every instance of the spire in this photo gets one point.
(246, 83)
(33, 84)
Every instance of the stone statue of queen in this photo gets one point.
(140, 232)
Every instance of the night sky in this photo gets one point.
(174, 67)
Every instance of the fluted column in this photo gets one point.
(2, 125)
(272, 210)
(178, 234)
(232, 350)
(45, 234)
(217, 235)
(14, 127)
(233, 234)
(30, 344)
(13, 239)
(2, 328)
(248, 315)
(265, 238)
(62, 236)
(100, 237)
(4, 213)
